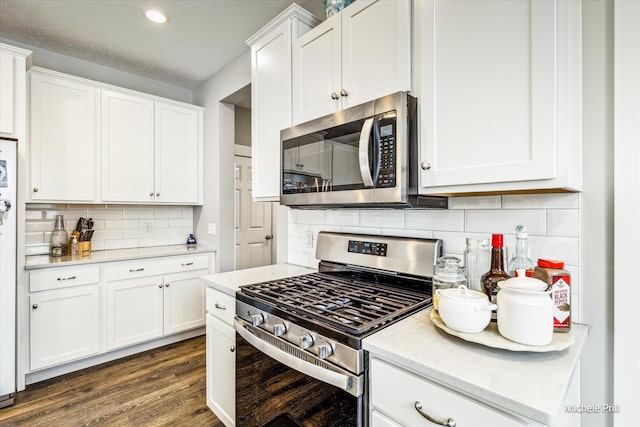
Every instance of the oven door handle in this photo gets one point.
(336, 376)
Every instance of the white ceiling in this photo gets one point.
(200, 38)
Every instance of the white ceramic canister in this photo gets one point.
(525, 310)
(464, 310)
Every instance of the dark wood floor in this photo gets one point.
(160, 387)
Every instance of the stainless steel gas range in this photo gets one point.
(299, 356)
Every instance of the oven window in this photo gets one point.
(270, 394)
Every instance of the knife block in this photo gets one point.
(84, 248)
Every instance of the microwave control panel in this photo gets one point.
(387, 175)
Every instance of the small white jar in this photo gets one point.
(525, 311)
(464, 310)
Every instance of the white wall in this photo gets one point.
(89, 70)
(219, 130)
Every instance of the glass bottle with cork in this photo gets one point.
(520, 260)
(59, 241)
(496, 274)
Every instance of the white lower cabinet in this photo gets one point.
(64, 325)
(221, 356)
(394, 393)
(150, 307)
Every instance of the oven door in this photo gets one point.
(277, 384)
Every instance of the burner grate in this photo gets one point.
(350, 305)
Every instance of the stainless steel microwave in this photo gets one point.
(363, 156)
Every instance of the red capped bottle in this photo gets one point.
(496, 274)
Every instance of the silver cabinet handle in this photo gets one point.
(343, 92)
(232, 348)
(67, 278)
(186, 264)
(35, 189)
(449, 422)
(35, 306)
(334, 95)
(131, 270)
(220, 306)
(425, 166)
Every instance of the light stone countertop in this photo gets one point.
(230, 281)
(44, 261)
(531, 384)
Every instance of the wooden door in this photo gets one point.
(176, 154)
(64, 325)
(376, 50)
(487, 91)
(316, 71)
(63, 139)
(127, 148)
(254, 238)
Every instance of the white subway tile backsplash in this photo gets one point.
(563, 222)
(180, 223)
(167, 212)
(452, 242)
(447, 220)
(377, 218)
(347, 217)
(138, 213)
(122, 224)
(361, 230)
(299, 258)
(107, 235)
(308, 216)
(505, 221)
(104, 214)
(34, 238)
(475, 202)
(406, 232)
(33, 215)
(541, 201)
(154, 241)
(565, 249)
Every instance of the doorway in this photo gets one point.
(253, 221)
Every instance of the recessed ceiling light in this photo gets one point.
(156, 16)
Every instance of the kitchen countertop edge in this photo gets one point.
(34, 262)
(397, 344)
(229, 282)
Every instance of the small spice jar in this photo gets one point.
(553, 274)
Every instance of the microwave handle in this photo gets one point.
(363, 152)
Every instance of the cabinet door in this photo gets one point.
(184, 302)
(376, 49)
(487, 91)
(127, 148)
(63, 139)
(271, 109)
(317, 71)
(221, 370)
(177, 149)
(134, 311)
(64, 325)
(7, 123)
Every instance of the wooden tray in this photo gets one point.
(490, 337)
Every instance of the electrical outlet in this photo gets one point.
(309, 240)
(211, 228)
(147, 228)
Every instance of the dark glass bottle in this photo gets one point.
(496, 274)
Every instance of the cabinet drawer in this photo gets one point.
(394, 392)
(221, 305)
(56, 278)
(155, 267)
(186, 263)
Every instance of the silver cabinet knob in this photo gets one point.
(325, 350)
(334, 95)
(151, 194)
(160, 285)
(425, 166)
(35, 189)
(35, 306)
(343, 92)
(280, 329)
(157, 194)
(257, 319)
(232, 348)
(306, 341)
(166, 286)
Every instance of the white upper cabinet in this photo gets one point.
(499, 88)
(178, 154)
(127, 148)
(63, 139)
(13, 70)
(357, 55)
(271, 96)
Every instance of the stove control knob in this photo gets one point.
(257, 319)
(325, 350)
(306, 341)
(280, 329)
